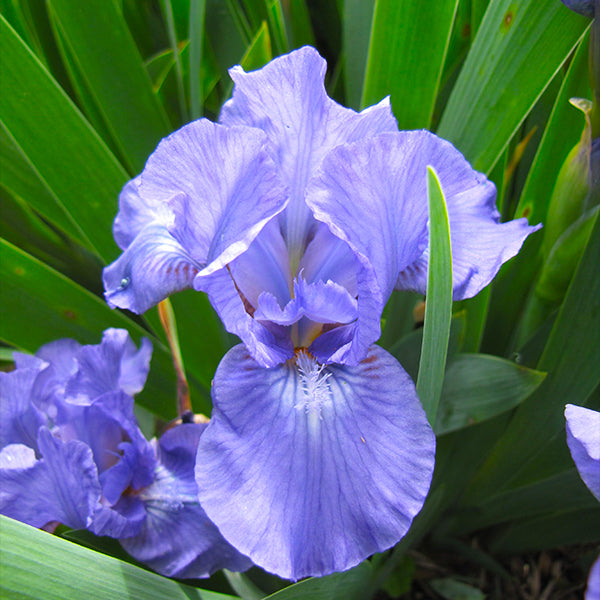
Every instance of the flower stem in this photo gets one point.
(167, 319)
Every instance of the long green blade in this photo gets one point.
(571, 358)
(438, 308)
(408, 44)
(518, 48)
(99, 39)
(40, 566)
(68, 156)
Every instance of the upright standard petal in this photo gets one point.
(114, 364)
(309, 469)
(583, 438)
(381, 183)
(288, 101)
(204, 195)
(135, 212)
(177, 539)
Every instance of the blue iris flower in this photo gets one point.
(583, 439)
(71, 452)
(299, 217)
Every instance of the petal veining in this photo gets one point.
(288, 101)
(154, 266)
(177, 539)
(308, 469)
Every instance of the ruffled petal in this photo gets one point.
(381, 183)
(123, 455)
(221, 185)
(205, 194)
(153, 267)
(114, 364)
(583, 438)
(376, 183)
(320, 302)
(60, 357)
(288, 101)
(480, 243)
(62, 486)
(309, 470)
(135, 212)
(123, 519)
(177, 539)
(264, 267)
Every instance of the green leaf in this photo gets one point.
(451, 589)
(41, 305)
(350, 585)
(259, 52)
(408, 349)
(23, 227)
(167, 10)
(40, 566)
(571, 358)
(196, 36)
(356, 32)
(19, 178)
(409, 41)
(243, 586)
(518, 48)
(67, 155)
(97, 35)
(548, 531)
(561, 491)
(228, 38)
(561, 134)
(277, 28)
(563, 258)
(299, 27)
(478, 387)
(438, 307)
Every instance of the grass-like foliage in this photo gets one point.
(89, 88)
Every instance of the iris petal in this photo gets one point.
(583, 438)
(204, 195)
(309, 470)
(268, 343)
(177, 539)
(62, 486)
(154, 266)
(135, 212)
(288, 101)
(381, 183)
(114, 364)
(19, 417)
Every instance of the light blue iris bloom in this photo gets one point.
(71, 452)
(299, 217)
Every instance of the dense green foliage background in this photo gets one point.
(88, 90)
